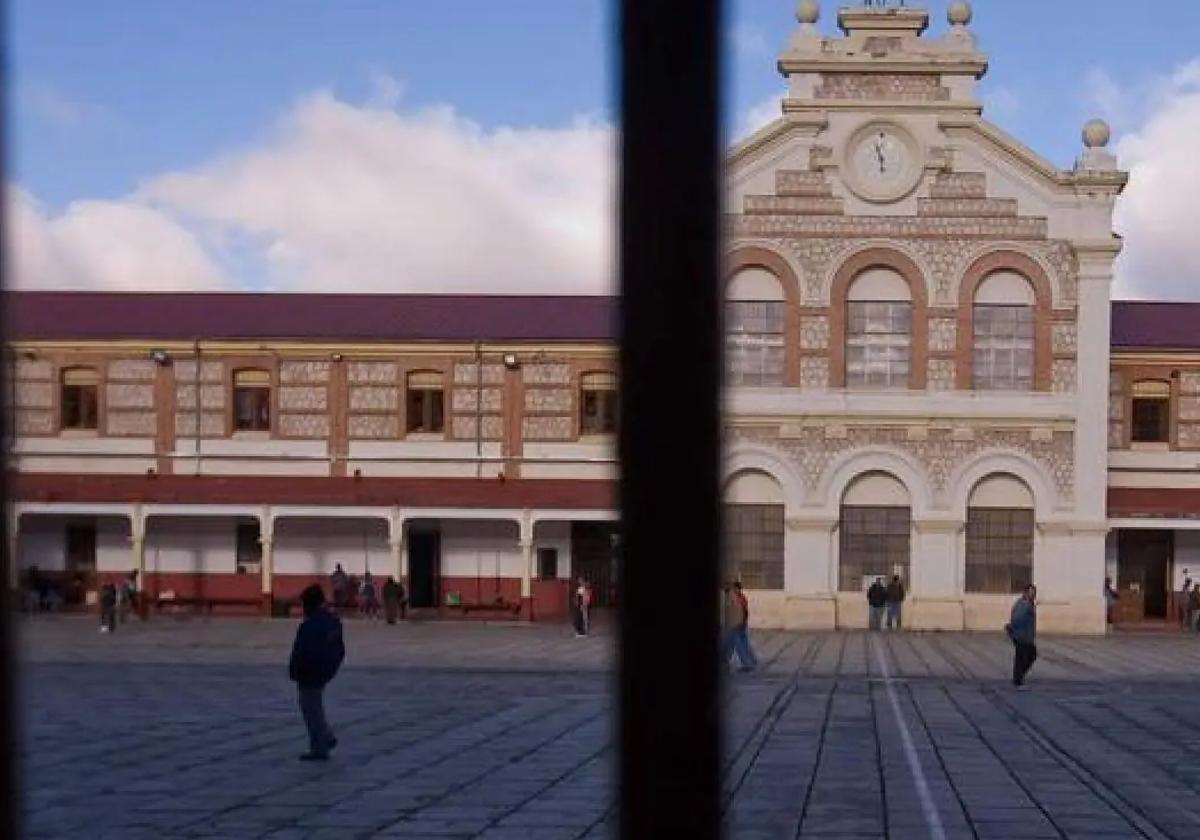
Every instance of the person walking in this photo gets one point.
(895, 598)
(1111, 597)
(317, 654)
(1022, 630)
(108, 608)
(739, 629)
(1181, 600)
(368, 603)
(391, 600)
(579, 609)
(876, 600)
(1194, 608)
(340, 584)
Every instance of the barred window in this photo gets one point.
(1003, 347)
(878, 344)
(754, 342)
(754, 545)
(873, 542)
(999, 549)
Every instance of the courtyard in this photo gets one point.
(189, 728)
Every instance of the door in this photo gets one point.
(424, 567)
(593, 558)
(1143, 574)
(81, 549)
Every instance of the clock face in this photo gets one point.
(882, 163)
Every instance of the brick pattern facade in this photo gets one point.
(476, 403)
(1116, 411)
(549, 401)
(210, 399)
(303, 399)
(374, 400)
(1188, 413)
(129, 398)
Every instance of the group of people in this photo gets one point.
(887, 598)
(1187, 601)
(395, 599)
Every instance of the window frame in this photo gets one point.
(89, 380)
(251, 565)
(256, 383)
(761, 548)
(1165, 420)
(894, 381)
(767, 343)
(432, 411)
(1015, 383)
(602, 386)
(973, 562)
(891, 535)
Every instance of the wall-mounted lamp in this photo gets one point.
(160, 357)
(29, 355)
(337, 357)
(510, 361)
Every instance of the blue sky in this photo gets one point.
(106, 97)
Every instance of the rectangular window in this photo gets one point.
(598, 404)
(878, 344)
(248, 554)
(873, 541)
(754, 545)
(1151, 420)
(1002, 355)
(80, 407)
(547, 563)
(754, 343)
(252, 401)
(999, 550)
(425, 411)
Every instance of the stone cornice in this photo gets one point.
(866, 64)
(923, 106)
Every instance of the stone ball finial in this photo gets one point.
(1096, 134)
(808, 12)
(959, 14)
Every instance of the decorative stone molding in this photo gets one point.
(1064, 337)
(889, 227)
(463, 427)
(131, 423)
(139, 370)
(34, 422)
(468, 400)
(185, 371)
(1063, 375)
(546, 373)
(1189, 382)
(940, 454)
(548, 400)
(34, 369)
(546, 428)
(942, 335)
(35, 395)
(211, 397)
(128, 395)
(959, 185)
(1116, 436)
(793, 205)
(941, 375)
(372, 373)
(1189, 408)
(211, 424)
(814, 332)
(375, 426)
(304, 425)
(467, 373)
(902, 87)
(306, 371)
(981, 208)
(814, 372)
(1189, 435)
(802, 182)
(303, 398)
(372, 398)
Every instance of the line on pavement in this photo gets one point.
(932, 818)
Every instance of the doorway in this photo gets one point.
(81, 548)
(424, 568)
(593, 558)
(1143, 574)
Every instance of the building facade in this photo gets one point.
(918, 362)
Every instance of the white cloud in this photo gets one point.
(101, 244)
(1001, 102)
(759, 115)
(748, 41)
(345, 197)
(1157, 213)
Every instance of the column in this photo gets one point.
(137, 546)
(809, 573)
(266, 539)
(934, 600)
(526, 544)
(13, 546)
(399, 548)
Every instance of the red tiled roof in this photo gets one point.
(231, 316)
(242, 489)
(1155, 325)
(1153, 502)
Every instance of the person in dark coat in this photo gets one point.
(1022, 630)
(340, 584)
(317, 654)
(895, 598)
(393, 595)
(108, 608)
(876, 601)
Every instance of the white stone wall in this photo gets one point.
(315, 546)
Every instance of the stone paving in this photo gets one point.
(188, 728)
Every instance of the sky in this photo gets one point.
(406, 145)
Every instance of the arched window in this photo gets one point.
(754, 507)
(597, 403)
(424, 402)
(251, 401)
(874, 532)
(879, 326)
(1000, 519)
(754, 328)
(79, 399)
(1002, 353)
(1151, 412)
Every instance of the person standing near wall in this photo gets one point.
(339, 583)
(1110, 601)
(876, 600)
(1194, 608)
(391, 600)
(895, 599)
(1022, 630)
(1181, 600)
(579, 609)
(317, 653)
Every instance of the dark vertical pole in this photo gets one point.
(669, 432)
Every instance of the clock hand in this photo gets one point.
(879, 154)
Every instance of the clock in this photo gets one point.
(882, 162)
